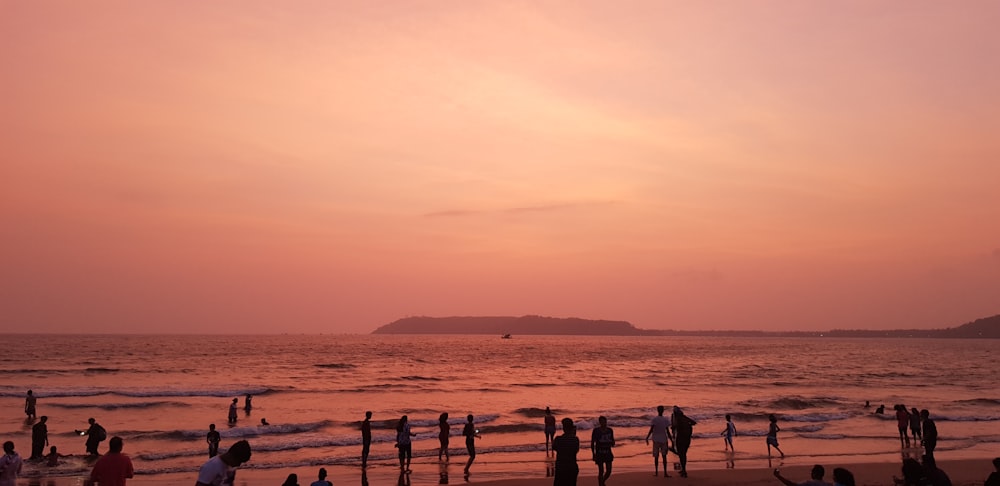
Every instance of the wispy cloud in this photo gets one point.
(541, 208)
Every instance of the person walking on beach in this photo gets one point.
(213, 438)
(470, 434)
(221, 470)
(550, 428)
(443, 436)
(403, 435)
(366, 439)
(113, 468)
(816, 477)
(566, 446)
(602, 439)
(902, 422)
(661, 432)
(29, 405)
(95, 435)
(10, 465)
(915, 427)
(772, 435)
(323, 482)
(930, 433)
(729, 433)
(232, 411)
(683, 431)
(39, 438)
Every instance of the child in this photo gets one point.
(772, 435)
(729, 433)
(53, 457)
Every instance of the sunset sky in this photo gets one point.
(331, 166)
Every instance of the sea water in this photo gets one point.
(160, 393)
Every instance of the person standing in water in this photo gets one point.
(729, 433)
(550, 428)
(29, 405)
(930, 433)
(403, 443)
(366, 439)
(915, 427)
(566, 446)
(39, 438)
(661, 432)
(683, 431)
(247, 404)
(213, 438)
(602, 439)
(471, 434)
(443, 436)
(902, 422)
(232, 411)
(113, 468)
(772, 435)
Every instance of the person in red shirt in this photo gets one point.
(113, 468)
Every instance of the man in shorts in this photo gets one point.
(602, 439)
(660, 432)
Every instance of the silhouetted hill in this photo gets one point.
(988, 327)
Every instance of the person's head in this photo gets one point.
(548, 411)
(660, 409)
(817, 472)
(293, 480)
(322, 473)
(115, 444)
(91, 421)
(843, 477)
(469, 418)
(772, 418)
(236, 400)
(567, 425)
(211, 426)
(263, 421)
(924, 414)
(996, 463)
(368, 415)
(29, 392)
(401, 424)
(443, 418)
(52, 450)
(728, 418)
(43, 419)
(912, 470)
(603, 421)
(8, 447)
(239, 452)
(914, 411)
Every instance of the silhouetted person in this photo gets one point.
(213, 438)
(232, 411)
(816, 477)
(566, 446)
(661, 432)
(403, 443)
(842, 477)
(602, 439)
(10, 465)
(913, 474)
(902, 422)
(113, 468)
(470, 434)
(366, 439)
(29, 405)
(322, 479)
(263, 421)
(930, 433)
(868, 404)
(729, 433)
(221, 470)
(994, 479)
(683, 430)
(247, 404)
(937, 476)
(444, 435)
(39, 438)
(52, 459)
(915, 427)
(95, 435)
(880, 410)
(550, 428)
(291, 480)
(772, 435)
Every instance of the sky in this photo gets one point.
(242, 166)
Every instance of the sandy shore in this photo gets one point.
(967, 472)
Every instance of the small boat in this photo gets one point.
(505, 336)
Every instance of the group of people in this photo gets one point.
(921, 427)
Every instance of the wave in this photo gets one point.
(117, 406)
(420, 378)
(989, 402)
(336, 366)
(233, 432)
(143, 392)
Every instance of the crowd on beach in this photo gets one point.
(669, 433)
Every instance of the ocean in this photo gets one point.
(160, 393)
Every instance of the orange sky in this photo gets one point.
(317, 166)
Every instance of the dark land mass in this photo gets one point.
(988, 327)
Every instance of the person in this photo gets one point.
(113, 468)
(935, 475)
(994, 478)
(550, 428)
(322, 479)
(868, 404)
(291, 480)
(232, 411)
(566, 447)
(95, 435)
(772, 435)
(221, 470)
(729, 432)
(881, 409)
(683, 430)
(247, 405)
(52, 459)
(913, 474)
(39, 438)
(10, 465)
(443, 435)
(213, 438)
(930, 433)
(842, 477)
(29, 405)
(662, 434)
(902, 422)
(366, 439)
(470, 434)
(403, 435)
(263, 422)
(816, 476)
(915, 427)
(602, 439)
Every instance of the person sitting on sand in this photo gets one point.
(322, 479)
(994, 479)
(816, 477)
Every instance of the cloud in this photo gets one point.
(543, 208)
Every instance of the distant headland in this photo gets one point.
(988, 327)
